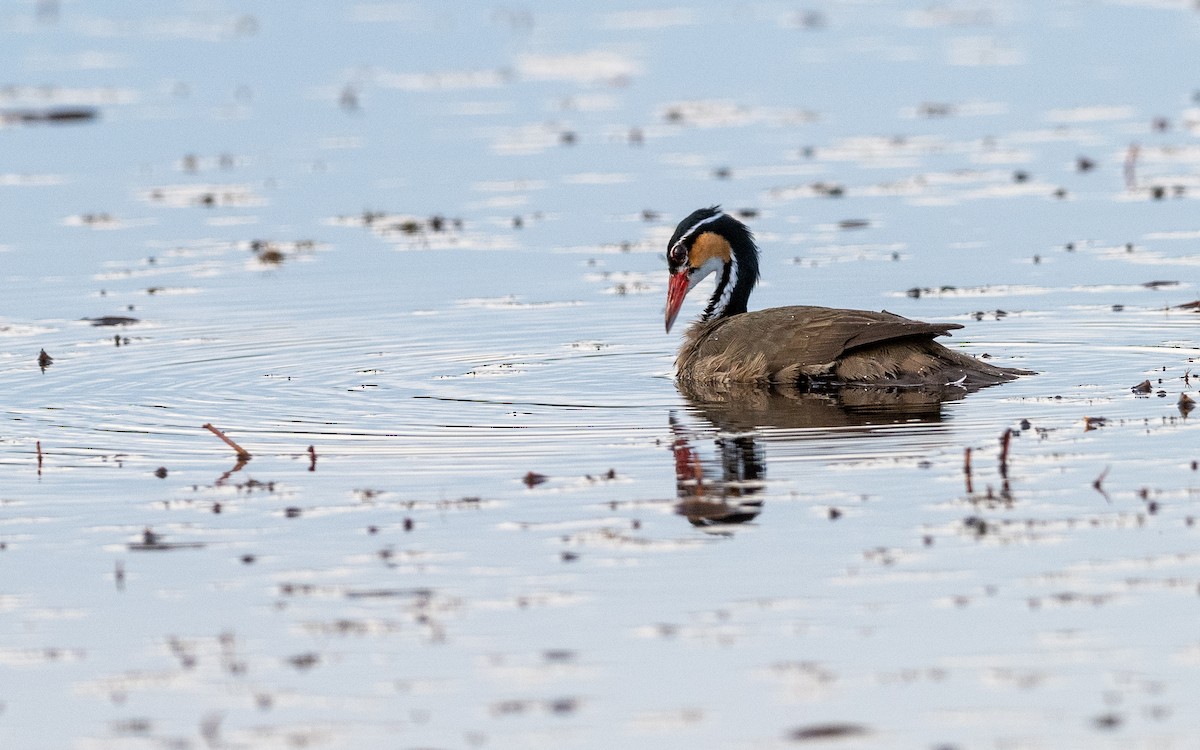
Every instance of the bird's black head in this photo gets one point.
(707, 241)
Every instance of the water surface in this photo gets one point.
(409, 256)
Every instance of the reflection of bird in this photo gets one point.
(718, 500)
(844, 411)
(809, 346)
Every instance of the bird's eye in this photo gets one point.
(678, 255)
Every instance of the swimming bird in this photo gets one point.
(809, 347)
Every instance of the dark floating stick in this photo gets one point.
(967, 469)
(242, 454)
(54, 116)
(39, 454)
(1004, 441)
(1098, 485)
(312, 458)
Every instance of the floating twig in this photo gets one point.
(312, 458)
(242, 453)
(39, 451)
(967, 469)
(1004, 441)
(1098, 485)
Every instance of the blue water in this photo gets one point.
(412, 589)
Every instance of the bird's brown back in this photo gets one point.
(786, 343)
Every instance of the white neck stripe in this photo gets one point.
(727, 292)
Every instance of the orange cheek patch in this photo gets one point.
(709, 245)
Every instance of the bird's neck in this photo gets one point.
(733, 288)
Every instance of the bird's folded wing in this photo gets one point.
(807, 337)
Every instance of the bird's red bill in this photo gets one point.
(677, 289)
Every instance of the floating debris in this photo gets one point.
(827, 190)
(205, 196)
(52, 116)
(820, 732)
(242, 454)
(271, 257)
(1185, 404)
(112, 320)
(533, 479)
(1005, 439)
(1108, 722)
(153, 542)
(304, 661)
(44, 360)
(935, 110)
(976, 525)
(1098, 484)
(967, 470)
